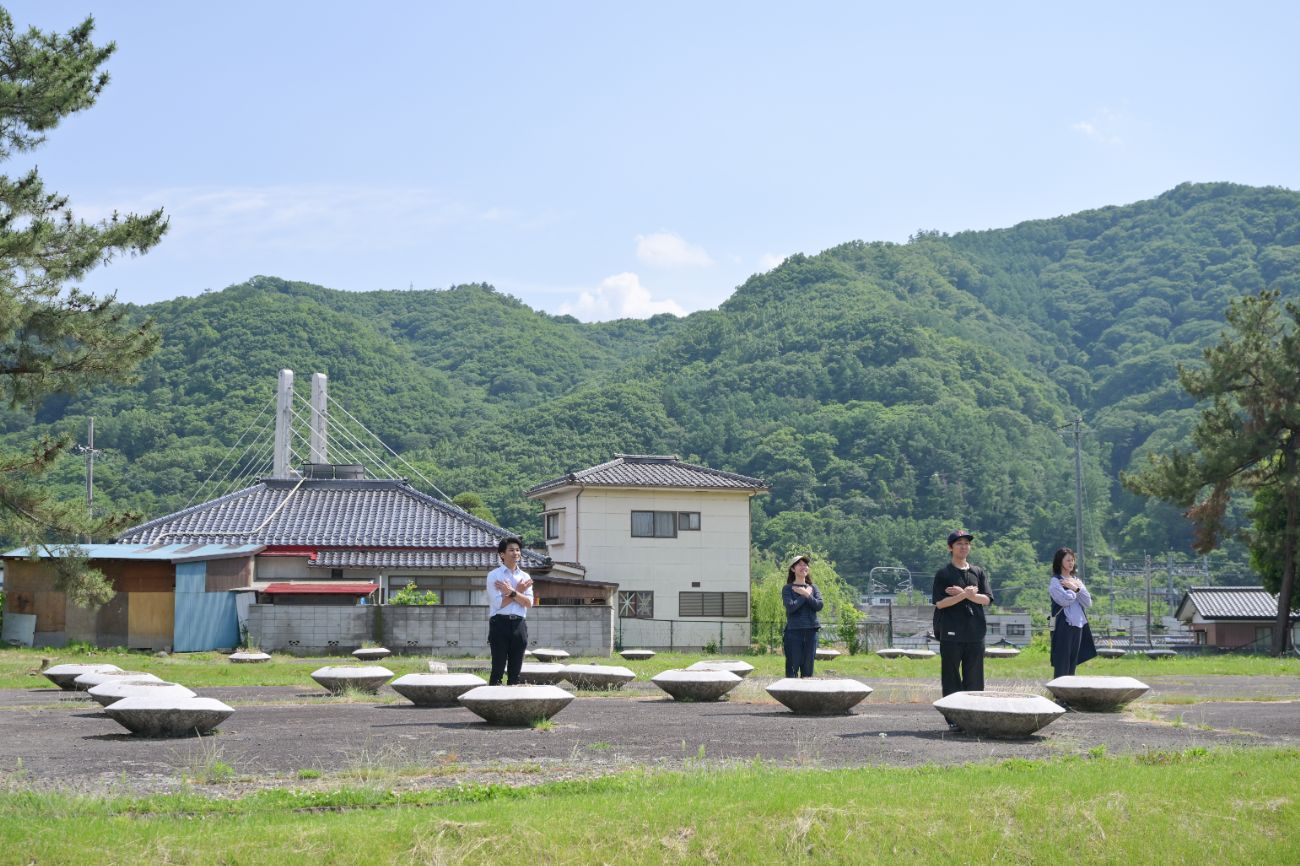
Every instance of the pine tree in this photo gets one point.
(1248, 436)
(54, 337)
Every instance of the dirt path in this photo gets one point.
(54, 739)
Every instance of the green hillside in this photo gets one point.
(886, 392)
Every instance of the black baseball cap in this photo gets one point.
(958, 534)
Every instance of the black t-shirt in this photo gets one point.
(963, 621)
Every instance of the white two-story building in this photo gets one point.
(674, 537)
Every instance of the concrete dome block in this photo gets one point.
(64, 675)
(87, 681)
(1160, 653)
(598, 676)
(371, 654)
(128, 687)
(436, 690)
(918, 654)
(826, 654)
(1097, 694)
(168, 716)
(517, 706)
(637, 655)
(891, 653)
(437, 667)
(362, 678)
(1000, 652)
(1111, 652)
(538, 674)
(548, 656)
(696, 685)
(735, 666)
(1001, 715)
(248, 657)
(813, 696)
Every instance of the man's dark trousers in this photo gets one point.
(969, 657)
(508, 638)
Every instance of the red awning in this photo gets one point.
(323, 588)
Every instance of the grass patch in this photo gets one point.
(1190, 807)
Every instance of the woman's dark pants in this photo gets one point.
(800, 651)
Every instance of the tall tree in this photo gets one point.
(1247, 438)
(54, 337)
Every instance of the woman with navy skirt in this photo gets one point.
(1072, 643)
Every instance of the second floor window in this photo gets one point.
(552, 522)
(664, 524)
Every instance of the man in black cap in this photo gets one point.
(961, 592)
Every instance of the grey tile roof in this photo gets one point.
(478, 560)
(648, 470)
(324, 513)
(1232, 602)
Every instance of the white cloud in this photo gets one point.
(312, 217)
(768, 261)
(619, 297)
(669, 250)
(1101, 127)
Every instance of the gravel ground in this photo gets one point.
(54, 739)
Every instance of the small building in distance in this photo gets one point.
(170, 595)
(1232, 617)
(673, 536)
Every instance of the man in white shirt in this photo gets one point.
(510, 594)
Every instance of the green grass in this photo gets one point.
(1193, 807)
(208, 670)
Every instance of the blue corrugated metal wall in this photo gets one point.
(204, 620)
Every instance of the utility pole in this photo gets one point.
(1110, 585)
(1078, 500)
(90, 468)
(1147, 570)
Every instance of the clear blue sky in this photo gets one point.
(621, 159)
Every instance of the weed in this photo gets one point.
(542, 725)
(1097, 751)
(309, 774)
(208, 766)
(1164, 757)
(599, 747)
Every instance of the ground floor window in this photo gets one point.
(637, 604)
(720, 604)
(1015, 628)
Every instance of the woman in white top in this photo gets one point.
(1072, 643)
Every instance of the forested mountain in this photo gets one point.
(885, 391)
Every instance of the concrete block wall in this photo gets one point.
(442, 629)
(310, 630)
(585, 630)
(445, 630)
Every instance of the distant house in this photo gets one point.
(1015, 627)
(167, 596)
(327, 544)
(1232, 617)
(673, 536)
